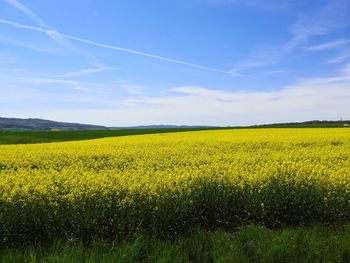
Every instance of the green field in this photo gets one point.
(25, 137)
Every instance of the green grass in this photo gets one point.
(248, 244)
(24, 137)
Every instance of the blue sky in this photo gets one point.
(208, 62)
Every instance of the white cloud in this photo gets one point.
(330, 45)
(317, 98)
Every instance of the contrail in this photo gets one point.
(50, 31)
(15, 24)
(132, 51)
(54, 34)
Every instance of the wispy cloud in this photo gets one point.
(322, 21)
(37, 81)
(274, 72)
(262, 57)
(33, 81)
(24, 80)
(330, 45)
(344, 57)
(87, 71)
(112, 47)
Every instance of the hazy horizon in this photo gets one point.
(210, 62)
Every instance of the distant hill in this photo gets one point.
(47, 125)
(305, 124)
(44, 125)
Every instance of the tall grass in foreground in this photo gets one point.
(249, 244)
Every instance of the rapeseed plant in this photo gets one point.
(164, 185)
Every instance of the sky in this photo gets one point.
(180, 62)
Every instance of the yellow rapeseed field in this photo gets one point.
(166, 184)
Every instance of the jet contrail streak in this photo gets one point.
(98, 44)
